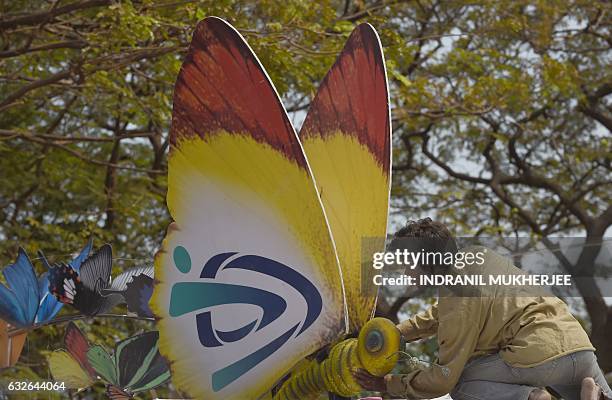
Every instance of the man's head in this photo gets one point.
(424, 228)
(427, 237)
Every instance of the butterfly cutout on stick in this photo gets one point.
(134, 366)
(88, 287)
(71, 365)
(80, 286)
(26, 299)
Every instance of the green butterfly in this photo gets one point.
(135, 365)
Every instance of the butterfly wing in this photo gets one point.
(64, 283)
(347, 137)
(245, 206)
(19, 304)
(10, 307)
(49, 305)
(136, 287)
(138, 294)
(78, 260)
(77, 345)
(95, 271)
(64, 368)
(103, 364)
(95, 277)
(120, 283)
(139, 363)
(157, 374)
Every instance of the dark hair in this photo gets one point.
(424, 234)
(424, 228)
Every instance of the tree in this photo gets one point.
(501, 116)
(503, 124)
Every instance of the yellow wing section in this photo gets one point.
(347, 138)
(247, 280)
(65, 368)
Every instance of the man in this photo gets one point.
(494, 342)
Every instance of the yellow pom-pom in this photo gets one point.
(378, 346)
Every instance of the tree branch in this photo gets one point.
(10, 99)
(68, 44)
(39, 17)
(592, 111)
(8, 135)
(450, 171)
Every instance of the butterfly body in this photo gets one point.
(115, 393)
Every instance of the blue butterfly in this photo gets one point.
(25, 299)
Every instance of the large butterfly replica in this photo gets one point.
(262, 265)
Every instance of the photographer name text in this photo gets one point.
(474, 280)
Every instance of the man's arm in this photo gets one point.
(422, 325)
(458, 334)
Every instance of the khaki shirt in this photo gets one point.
(525, 331)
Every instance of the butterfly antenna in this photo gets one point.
(44, 259)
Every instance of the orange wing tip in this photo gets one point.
(222, 86)
(353, 97)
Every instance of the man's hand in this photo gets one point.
(370, 382)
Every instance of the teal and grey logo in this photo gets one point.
(200, 296)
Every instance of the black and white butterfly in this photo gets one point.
(82, 288)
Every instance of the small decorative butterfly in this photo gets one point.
(81, 287)
(135, 365)
(71, 365)
(26, 299)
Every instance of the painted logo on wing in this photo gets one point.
(187, 297)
